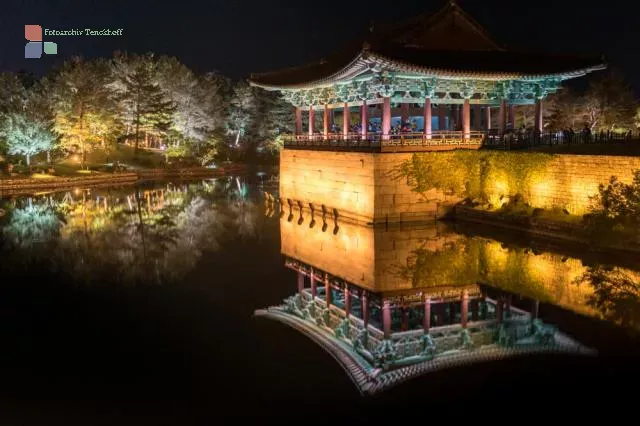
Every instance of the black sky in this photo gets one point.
(237, 37)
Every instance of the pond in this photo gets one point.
(203, 300)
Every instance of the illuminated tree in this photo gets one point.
(25, 136)
(146, 105)
(83, 104)
(609, 104)
(242, 112)
(12, 94)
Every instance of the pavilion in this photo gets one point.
(438, 77)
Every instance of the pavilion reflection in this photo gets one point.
(394, 303)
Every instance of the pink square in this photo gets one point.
(33, 32)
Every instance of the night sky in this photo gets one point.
(237, 37)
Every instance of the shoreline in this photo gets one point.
(26, 186)
(544, 228)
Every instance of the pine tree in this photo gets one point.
(147, 108)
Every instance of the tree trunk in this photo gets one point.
(135, 150)
(82, 136)
(49, 156)
(28, 159)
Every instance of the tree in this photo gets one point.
(26, 136)
(242, 112)
(609, 103)
(83, 105)
(146, 107)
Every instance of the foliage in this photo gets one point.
(616, 294)
(483, 175)
(26, 136)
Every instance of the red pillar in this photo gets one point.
(386, 118)
(502, 117)
(346, 120)
(426, 322)
(477, 120)
(538, 120)
(404, 111)
(327, 290)
(442, 117)
(312, 120)
(487, 118)
(458, 117)
(365, 309)
(427, 118)
(300, 282)
(298, 113)
(314, 289)
(325, 123)
(464, 311)
(466, 119)
(386, 319)
(364, 109)
(347, 301)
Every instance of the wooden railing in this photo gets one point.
(438, 140)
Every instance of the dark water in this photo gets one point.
(135, 306)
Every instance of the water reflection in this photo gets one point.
(394, 303)
(147, 234)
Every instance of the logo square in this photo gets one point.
(50, 48)
(33, 50)
(33, 32)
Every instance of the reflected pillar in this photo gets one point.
(365, 309)
(300, 282)
(426, 322)
(386, 117)
(386, 319)
(314, 289)
(347, 301)
(427, 118)
(327, 290)
(464, 311)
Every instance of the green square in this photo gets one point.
(50, 48)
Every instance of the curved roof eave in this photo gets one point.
(360, 64)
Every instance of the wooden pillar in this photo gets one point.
(405, 319)
(427, 118)
(364, 110)
(386, 319)
(466, 119)
(386, 118)
(347, 301)
(442, 117)
(298, 112)
(477, 114)
(314, 289)
(346, 120)
(537, 125)
(502, 116)
(458, 117)
(404, 112)
(300, 282)
(426, 322)
(475, 307)
(508, 307)
(325, 123)
(487, 118)
(312, 120)
(464, 311)
(365, 309)
(327, 290)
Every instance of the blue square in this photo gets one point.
(33, 50)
